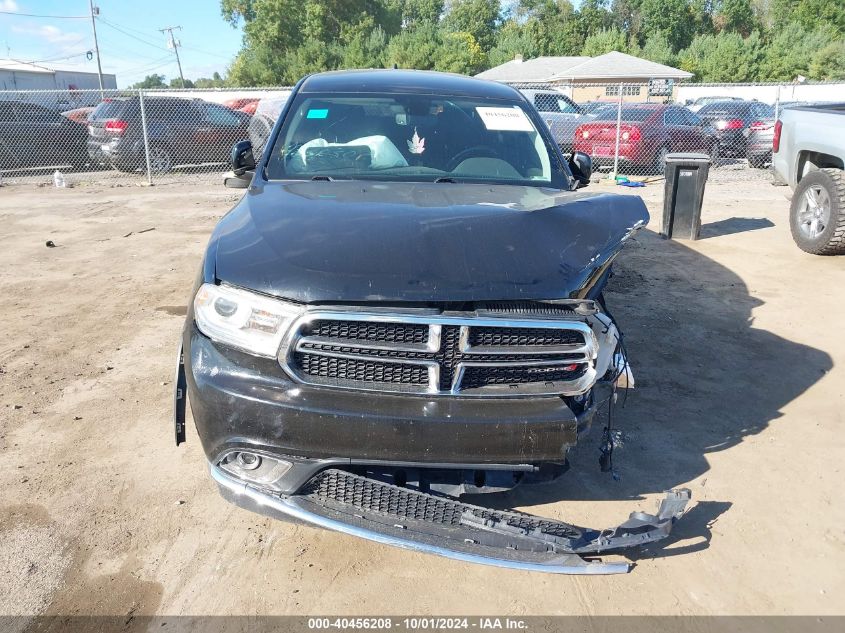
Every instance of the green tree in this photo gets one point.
(417, 12)
(460, 53)
(790, 52)
(479, 18)
(176, 82)
(414, 48)
(829, 62)
(604, 42)
(512, 40)
(151, 81)
(593, 17)
(811, 14)
(656, 49)
(735, 15)
(724, 57)
(553, 26)
(216, 81)
(674, 19)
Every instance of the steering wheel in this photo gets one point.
(476, 151)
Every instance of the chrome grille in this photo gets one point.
(436, 354)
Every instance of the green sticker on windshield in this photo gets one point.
(318, 114)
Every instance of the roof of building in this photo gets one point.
(537, 69)
(613, 65)
(620, 65)
(405, 81)
(23, 67)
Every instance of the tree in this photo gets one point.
(176, 82)
(415, 48)
(735, 15)
(479, 18)
(829, 62)
(216, 81)
(604, 42)
(511, 40)
(460, 53)
(724, 57)
(671, 18)
(593, 17)
(790, 52)
(417, 12)
(151, 81)
(656, 49)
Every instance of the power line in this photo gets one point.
(111, 25)
(52, 17)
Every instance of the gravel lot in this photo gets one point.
(736, 342)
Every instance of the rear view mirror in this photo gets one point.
(242, 158)
(581, 166)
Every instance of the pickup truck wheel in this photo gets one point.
(817, 214)
(161, 160)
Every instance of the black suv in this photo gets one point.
(405, 306)
(33, 136)
(179, 131)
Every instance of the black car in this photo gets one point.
(179, 131)
(406, 305)
(734, 121)
(33, 136)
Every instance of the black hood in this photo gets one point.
(347, 241)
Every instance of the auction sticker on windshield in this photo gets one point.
(505, 119)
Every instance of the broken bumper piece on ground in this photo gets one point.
(360, 506)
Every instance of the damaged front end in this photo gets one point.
(356, 505)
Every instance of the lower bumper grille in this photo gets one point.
(436, 354)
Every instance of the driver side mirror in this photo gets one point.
(581, 166)
(242, 158)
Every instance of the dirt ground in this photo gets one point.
(737, 346)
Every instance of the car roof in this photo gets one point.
(406, 82)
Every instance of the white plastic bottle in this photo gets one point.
(59, 179)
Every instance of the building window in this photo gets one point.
(627, 91)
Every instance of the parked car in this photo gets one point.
(180, 131)
(79, 115)
(695, 105)
(647, 133)
(560, 113)
(266, 114)
(734, 122)
(808, 154)
(244, 104)
(34, 136)
(406, 306)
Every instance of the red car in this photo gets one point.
(244, 104)
(647, 133)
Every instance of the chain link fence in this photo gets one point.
(119, 137)
(122, 137)
(628, 129)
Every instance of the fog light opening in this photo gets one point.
(248, 461)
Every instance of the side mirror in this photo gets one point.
(581, 166)
(242, 158)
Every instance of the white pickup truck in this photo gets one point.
(808, 153)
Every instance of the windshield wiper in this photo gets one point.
(445, 179)
(323, 178)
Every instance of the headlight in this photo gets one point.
(243, 319)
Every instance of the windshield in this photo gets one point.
(409, 137)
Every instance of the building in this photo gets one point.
(73, 84)
(594, 78)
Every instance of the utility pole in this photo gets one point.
(95, 11)
(175, 44)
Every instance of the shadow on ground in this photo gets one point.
(706, 380)
(730, 226)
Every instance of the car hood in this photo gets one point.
(354, 241)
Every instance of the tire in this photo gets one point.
(817, 213)
(758, 161)
(658, 163)
(161, 160)
(715, 155)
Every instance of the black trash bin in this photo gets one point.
(686, 175)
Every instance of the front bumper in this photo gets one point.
(239, 400)
(413, 520)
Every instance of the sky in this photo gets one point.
(131, 45)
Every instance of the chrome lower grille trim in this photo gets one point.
(565, 347)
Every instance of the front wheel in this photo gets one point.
(659, 161)
(161, 160)
(817, 213)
